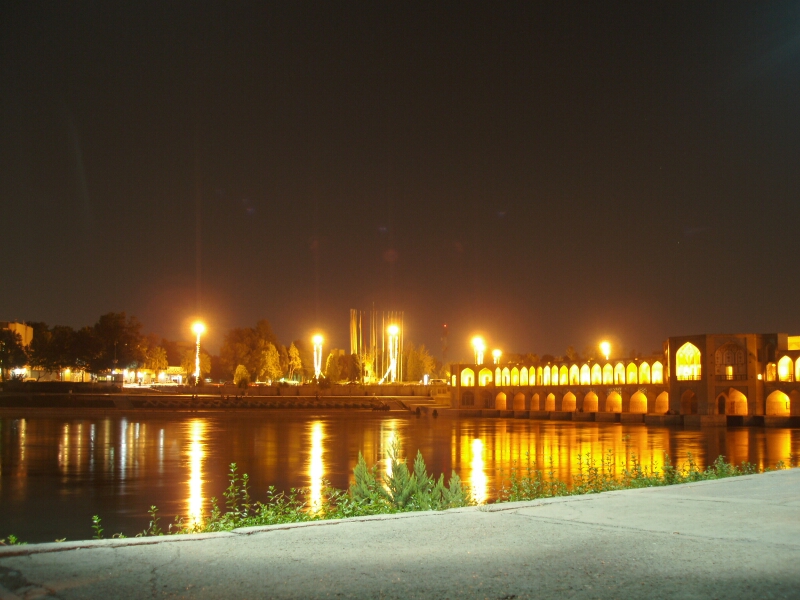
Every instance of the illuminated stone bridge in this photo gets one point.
(735, 379)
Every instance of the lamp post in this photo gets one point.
(496, 354)
(480, 346)
(394, 345)
(199, 329)
(317, 341)
(605, 348)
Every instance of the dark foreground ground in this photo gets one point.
(733, 538)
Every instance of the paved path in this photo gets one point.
(734, 538)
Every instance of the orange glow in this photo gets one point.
(196, 455)
(316, 469)
(477, 483)
(198, 328)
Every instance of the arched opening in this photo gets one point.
(797, 370)
(568, 402)
(608, 375)
(778, 404)
(535, 402)
(737, 403)
(500, 401)
(467, 399)
(638, 403)
(586, 377)
(687, 363)
(597, 374)
(467, 377)
(554, 375)
(619, 373)
(550, 402)
(785, 369)
(519, 401)
(688, 403)
(632, 373)
(506, 376)
(539, 376)
(515, 376)
(772, 372)
(484, 377)
(662, 404)
(498, 376)
(574, 375)
(563, 375)
(658, 373)
(614, 403)
(590, 403)
(453, 380)
(523, 375)
(644, 373)
(546, 376)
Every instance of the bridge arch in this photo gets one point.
(590, 402)
(597, 374)
(785, 369)
(467, 377)
(658, 373)
(608, 374)
(778, 404)
(484, 377)
(737, 403)
(546, 376)
(631, 376)
(688, 365)
(563, 375)
(574, 375)
(523, 375)
(644, 373)
(500, 401)
(586, 377)
(662, 403)
(550, 402)
(539, 380)
(515, 376)
(688, 403)
(614, 403)
(519, 401)
(619, 373)
(638, 403)
(506, 375)
(535, 405)
(569, 402)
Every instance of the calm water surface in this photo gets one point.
(56, 472)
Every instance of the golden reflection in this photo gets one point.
(196, 455)
(478, 476)
(316, 468)
(389, 438)
(63, 448)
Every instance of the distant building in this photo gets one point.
(25, 331)
(709, 377)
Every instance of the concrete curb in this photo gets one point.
(44, 548)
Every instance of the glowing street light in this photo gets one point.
(394, 346)
(317, 341)
(480, 346)
(496, 354)
(199, 329)
(605, 348)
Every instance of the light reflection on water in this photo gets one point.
(56, 472)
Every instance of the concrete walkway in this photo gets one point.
(734, 538)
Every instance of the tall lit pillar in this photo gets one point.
(496, 354)
(394, 346)
(317, 341)
(199, 329)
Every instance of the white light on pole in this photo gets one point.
(480, 347)
(199, 329)
(317, 341)
(496, 354)
(605, 348)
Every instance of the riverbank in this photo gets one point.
(733, 538)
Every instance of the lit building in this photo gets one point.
(702, 379)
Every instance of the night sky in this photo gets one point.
(545, 173)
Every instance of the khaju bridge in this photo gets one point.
(709, 379)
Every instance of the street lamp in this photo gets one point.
(496, 354)
(479, 345)
(317, 341)
(605, 348)
(394, 346)
(199, 329)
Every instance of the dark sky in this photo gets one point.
(546, 173)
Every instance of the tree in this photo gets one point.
(332, 366)
(306, 358)
(419, 362)
(272, 363)
(118, 343)
(188, 364)
(247, 346)
(295, 364)
(156, 359)
(241, 378)
(12, 353)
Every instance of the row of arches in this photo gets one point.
(633, 373)
(785, 370)
(637, 403)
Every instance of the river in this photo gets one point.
(56, 472)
